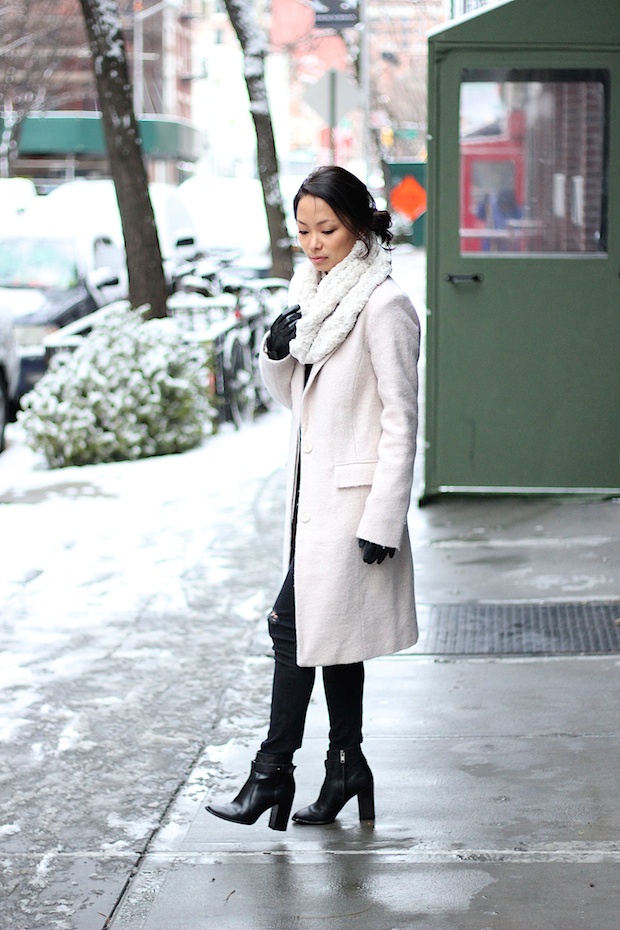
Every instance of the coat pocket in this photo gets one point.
(354, 474)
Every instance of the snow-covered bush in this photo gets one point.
(131, 390)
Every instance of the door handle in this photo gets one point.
(464, 278)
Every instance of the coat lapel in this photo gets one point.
(316, 367)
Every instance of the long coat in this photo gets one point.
(352, 446)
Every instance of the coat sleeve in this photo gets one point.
(393, 341)
(277, 375)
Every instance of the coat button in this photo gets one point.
(304, 516)
(306, 446)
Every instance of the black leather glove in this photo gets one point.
(373, 552)
(283, 329)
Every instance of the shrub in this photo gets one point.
(131, 390)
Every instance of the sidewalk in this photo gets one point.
(497, 807)
(496, 775)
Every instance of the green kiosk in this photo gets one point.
(523, 338)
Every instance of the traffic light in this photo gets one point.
(386, 136)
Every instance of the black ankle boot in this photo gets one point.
(269, 786)
(347, 774)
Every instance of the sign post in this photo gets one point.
(339, 15)
(333, 96)
(335, 14)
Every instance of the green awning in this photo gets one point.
(82, 134)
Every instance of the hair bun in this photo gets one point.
(381, 222)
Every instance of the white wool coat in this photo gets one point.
(352, 444)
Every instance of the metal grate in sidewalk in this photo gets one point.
(521, 629)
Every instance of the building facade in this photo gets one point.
(51, 129)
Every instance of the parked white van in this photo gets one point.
(175, 227)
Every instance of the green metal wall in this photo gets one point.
(523, 353)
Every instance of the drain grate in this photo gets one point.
(521, 629)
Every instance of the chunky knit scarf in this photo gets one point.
(331, 303)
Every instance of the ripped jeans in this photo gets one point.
(292, 687)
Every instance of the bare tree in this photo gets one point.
(147, 284)
(40, 44)
(253, 43)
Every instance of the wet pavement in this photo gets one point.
(147, 691)
(496, 777)
(496, 787)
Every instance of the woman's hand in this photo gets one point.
(373, 552)
(283, 329)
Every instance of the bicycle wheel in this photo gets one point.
(239, 392)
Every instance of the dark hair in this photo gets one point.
(350, 200)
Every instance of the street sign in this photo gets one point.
(335, 14)
(409, 198)
(333, 96)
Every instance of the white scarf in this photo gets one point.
(331, 303)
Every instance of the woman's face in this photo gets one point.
(323, 237)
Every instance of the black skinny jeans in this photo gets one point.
(292, 687)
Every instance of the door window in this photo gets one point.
(533, 161)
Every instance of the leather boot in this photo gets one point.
(269, 786)
(347, 774)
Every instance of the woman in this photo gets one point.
(343, 359)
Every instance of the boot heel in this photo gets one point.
(280, 813)
(270, 786)
(366, 803)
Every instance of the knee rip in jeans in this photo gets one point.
(273, 617)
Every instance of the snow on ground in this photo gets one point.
(131, 595)
(115, 538)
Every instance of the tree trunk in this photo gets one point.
(147, 285)
(253, 44)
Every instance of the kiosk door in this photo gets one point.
(524, 274)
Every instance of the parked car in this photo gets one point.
(229, 214)
(97, 197)
(9, 372)
(53, 272)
